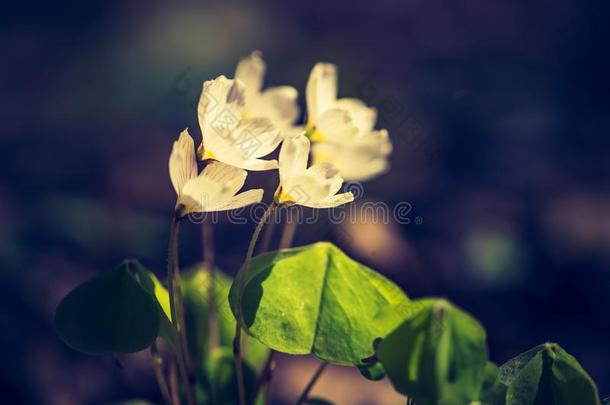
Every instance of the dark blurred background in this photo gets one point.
(498, 110)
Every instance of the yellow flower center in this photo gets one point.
(207, 154)
(313, 133)
(281, 197)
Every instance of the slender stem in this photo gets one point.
(177, 312)
(173, 381)
(312, 382)
(267, 236)
(242, 278)
(207, 236)
(157, 361)
(265, 377)
(290, 228)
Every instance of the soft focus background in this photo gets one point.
(499, 112)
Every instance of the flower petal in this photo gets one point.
(251, 72)
(199, 195)
(279, 104)
(256, 137)
(241, 200)
(182, 162)
(229, 178)
(294, 154)
(321, 91)
(258, 165)
(360, 158)
(219, 110)
(332, 201)
(336, 124)
(362, 116)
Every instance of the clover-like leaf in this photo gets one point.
(437, 356)
(195, 292)
(315, 299)
(547, 374)
(155, 288)
(109, 314)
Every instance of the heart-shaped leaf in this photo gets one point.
(437, 356)
(195, 292)
(109, 314)
(547, 374)
(314, 299)
(492, 390)
(153, 286)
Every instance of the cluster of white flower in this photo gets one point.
(241, 123)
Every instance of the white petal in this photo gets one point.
(255, 138)
(199, 194)
(241, 200)
(182, 162)
(321, 91)
(229, 178)
(219, 110)
(333, 201)
(336, 124)
(281, 104)
(251, 71)
(362, 116)
(294, 154)
(360, 158)
(315, 184)
(258, 165)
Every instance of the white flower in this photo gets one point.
(314, 187)
(343, 129)
(229, 138)
(279, 104)
(214, 189)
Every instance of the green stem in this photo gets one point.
(312, 382)
(157, 361)
(177, 312)
(265, 377)
(173, 381)
(242, 277)
(207, 236)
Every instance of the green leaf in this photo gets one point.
(155, 288)
(373, 372)
(220, 371)
(195, 292)
(437, 356)
(547, 374)
(314, 299)
(492, 390)
(109, 314)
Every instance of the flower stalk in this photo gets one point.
(177, 312)
(242, 278)
(157, 361)
(312, 382)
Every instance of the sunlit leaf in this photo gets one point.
(438, 355)
(315, 299)
(547, 374)
(109, 314)
(153, 286)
